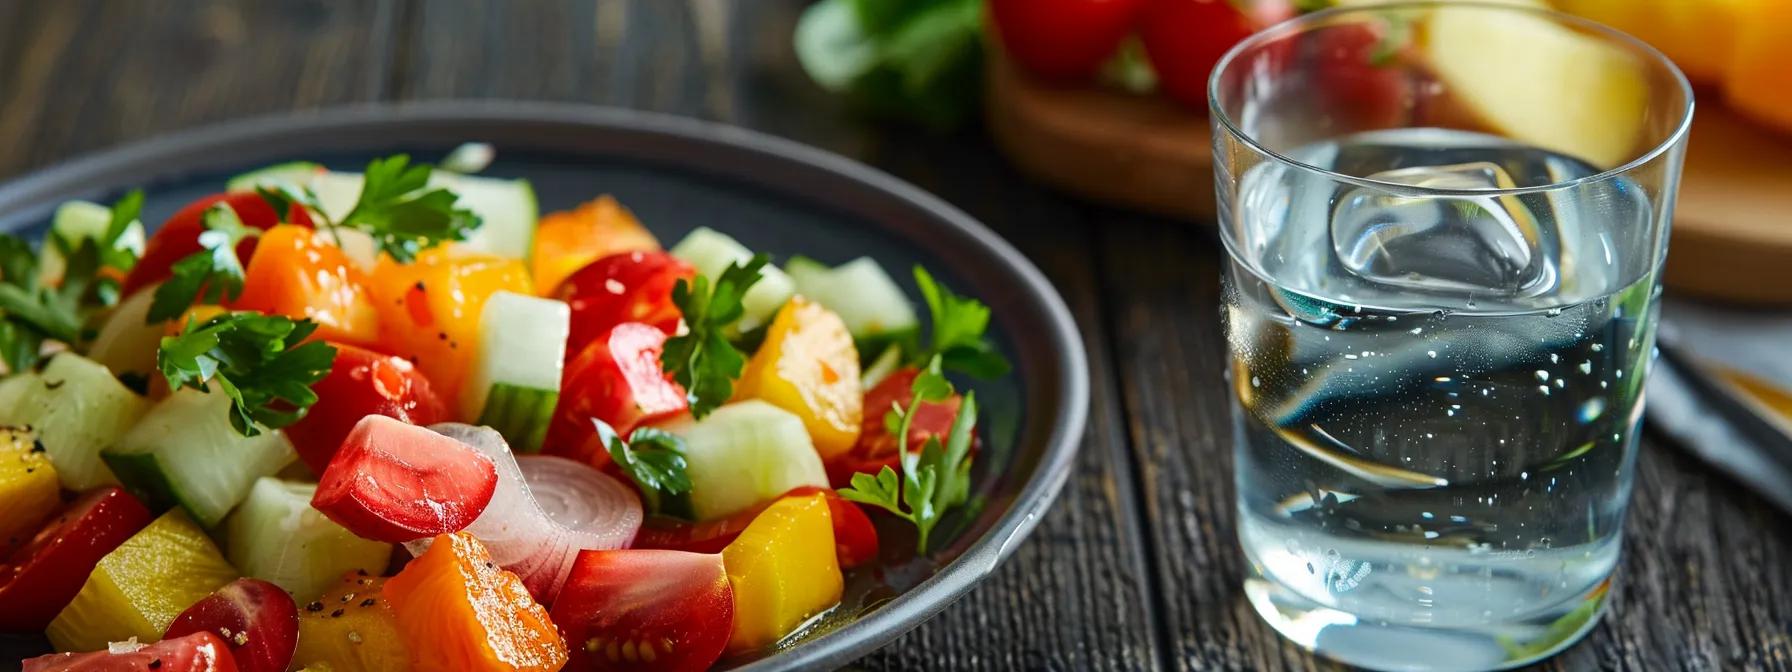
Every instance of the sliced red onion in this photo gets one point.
(522, 535)
(602, 512)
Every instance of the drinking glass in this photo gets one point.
(1445, 226)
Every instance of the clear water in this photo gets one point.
(1437, 398)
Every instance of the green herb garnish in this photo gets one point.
(654, 460)
(957, 335)
(34, 309)
(703, 360)
(402, 214)
(262, 362)
(210, 275)
(935, 478)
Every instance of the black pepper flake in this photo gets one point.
(30, 470)
(314, 606)
(453, 345)
(420, 287)
(336, 614)
(367, 602)
(489, 565)
(37, 446)
(155, 664)
(54, 384)
(360, 572)
(442, 335)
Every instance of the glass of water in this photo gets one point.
(1445, 226)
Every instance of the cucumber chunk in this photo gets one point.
(516, 377)
(78, 408)
(710, 252)
(185, 453)
(276, 536)
(294, 173)
(860, 292)
(77, 221)
(744, 454)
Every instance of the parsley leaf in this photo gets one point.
(654, 460)
(958, 324)
(34, 309)
(402, 214)
(262, 362)
(934, 479)
(703, 360)
(209, 275)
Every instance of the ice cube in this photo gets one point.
(1456, 243)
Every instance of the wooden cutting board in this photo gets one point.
(1732, 237)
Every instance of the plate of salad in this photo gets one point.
(461, 386)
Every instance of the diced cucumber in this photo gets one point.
(745, 454)
(516, 377)
(185, 453)
(276, 536)
(140, 587)
(76, 221)
(710, 252)
(78, 408)
(127, 343)
(294, 173)
(507, 208)
(861, 293)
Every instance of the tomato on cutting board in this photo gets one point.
(618, 379)
(41, 577)
(430, 309)
(855, 538)
(668, 611)
(179, 236)
(628, 287)
(258, 620)
(362, 383)
(397, 482)
(569, 240)
(197, 652)
(299, 273)
(1063, 39)
(1186, 38)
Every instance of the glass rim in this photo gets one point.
(1306, 21)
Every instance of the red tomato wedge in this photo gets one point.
(626, 287)
(617, 379)
(197, 652)
(362, 383)
(876, 448)
(41, 577)
(667, 611)
(179, 236)
(855, 538)
(396, 482)
(258, 620)
(1186, 38)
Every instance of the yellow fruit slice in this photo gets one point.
(138, 588)
(1539, 82)
(29, 492)
(350, 629)
(784, 571)
(809, 366)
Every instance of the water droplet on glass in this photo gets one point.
(1597, 347)
(1544, 389)
(1255, 382)
(1542, 375)
(1586, 366)
(1416, 331)
(1431, 353)
(1552, 312)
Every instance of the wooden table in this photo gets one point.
(1137, 566)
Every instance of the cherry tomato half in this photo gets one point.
(616, 378)
(197, 652)
(1063, 39)
(41, 577)
(876, 448)
(637, 609)
(627, 287)
(261, 618)
(179, 236)
(361, 383)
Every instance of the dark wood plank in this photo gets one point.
(1707, 565)
(1074, 596)
(81, 75)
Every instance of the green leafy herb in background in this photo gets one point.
(916, 60)
(703, 360)
(209, 275)
(958, 324)
(654, 460)
(34, 309)
(262, 362)
(934, 479)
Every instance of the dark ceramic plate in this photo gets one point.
(677, 174)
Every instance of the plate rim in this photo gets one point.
(886, 622)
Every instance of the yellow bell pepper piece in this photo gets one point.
(29, 492)
(138, 588)
(809, 366)
(350, 629)
(784, 571)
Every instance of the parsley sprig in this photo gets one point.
(935, 478)
(209, 275)
(402, 214)
(654, 460)
(957, 336)
(703, 360)
(262, 362)
(34, 309)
